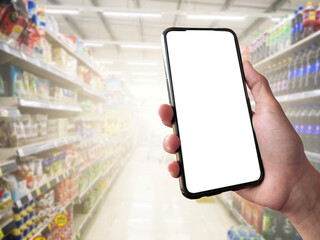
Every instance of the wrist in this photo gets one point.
(303, 204)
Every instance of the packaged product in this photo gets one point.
(3, 84)
(26, 171)
(27, 125)
(59, 56)
(84, 74)
(4, 140)
(3, 7)
(52, 25)
(42, 121)
(17, 185)
(17, 83)
(33, 89)
(25, 82)
(15, 20)
(71, 41)
(30, 38)
(41, 26)
(71, 65)
(43, 88)
(5, 199)
(47, 52)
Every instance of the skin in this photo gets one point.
(291, 185)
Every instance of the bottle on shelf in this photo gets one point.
(293, 72)
(303, 123)
(315, 137)
(311, 61)
(309, 17)
(316, 83)
(310, 127)
(297, 73)
(299, 25)
(303, 70)
(294, 28)
(317, 22)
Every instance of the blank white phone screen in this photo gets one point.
(217, 140)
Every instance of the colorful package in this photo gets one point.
(43, 88)
(15, 20)
(3, 84)
(17, 83)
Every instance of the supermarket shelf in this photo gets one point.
(313, 156)
(237, 215)
(51, 37)
(81, 221)
(36, 66)
(15, 102)
(297, 96)
(96, 118)
(288, 51)
(47, 145)
(9, 112)
(44, 187)
(91, 93)
(95, 181)
(48, 226)
(8, 167)
(93, 163)
(48, 105)
(7, 227)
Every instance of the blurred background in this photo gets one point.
(80, 138)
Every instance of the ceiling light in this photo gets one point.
(62, 11)
(143, 63)
(140, 46)
(132, 14)
(216, 17)
(93, 44)
(144, 74)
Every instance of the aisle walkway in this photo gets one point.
(146, 204)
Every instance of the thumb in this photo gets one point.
(258, 85)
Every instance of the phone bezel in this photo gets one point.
(182, 180)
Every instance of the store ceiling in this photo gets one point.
(113, 31)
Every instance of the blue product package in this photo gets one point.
(18, 89)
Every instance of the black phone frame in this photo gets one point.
(182, 181)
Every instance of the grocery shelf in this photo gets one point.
(237, 215)
(7, 227)
(44, 187)
(94, 182)
(47, 145)
(15, 102)
(53, 39)
(296, 96)
(6, 112)
(288, 51)
(36, 66)
(96, 118)
(48, 226)
(91, 93)
(8, 167)
(81, 220)
(93, 163)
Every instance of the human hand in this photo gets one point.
(287, 170)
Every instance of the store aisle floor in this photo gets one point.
(145, 203)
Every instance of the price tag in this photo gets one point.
(38, 191)
(30, 197)
(48, 185)
(1, 234)
(40, 238)
(4, 112)
(61, 220)
(49, 226)
(64, 211)
(0, 172)
(19, 204)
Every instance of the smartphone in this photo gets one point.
(212, 113)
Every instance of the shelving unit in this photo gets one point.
(81, 220)
(228, 205)
(287, 52)
(8, 167)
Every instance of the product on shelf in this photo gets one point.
(17, 185)
(243, 232)
(25, 221)
(31, 171)
(62, 95)
(5, 201)
(14, 21)
(309, 17)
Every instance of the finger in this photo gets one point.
(174, 169)
(258, 84)
(171, 143)
(166, 114)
